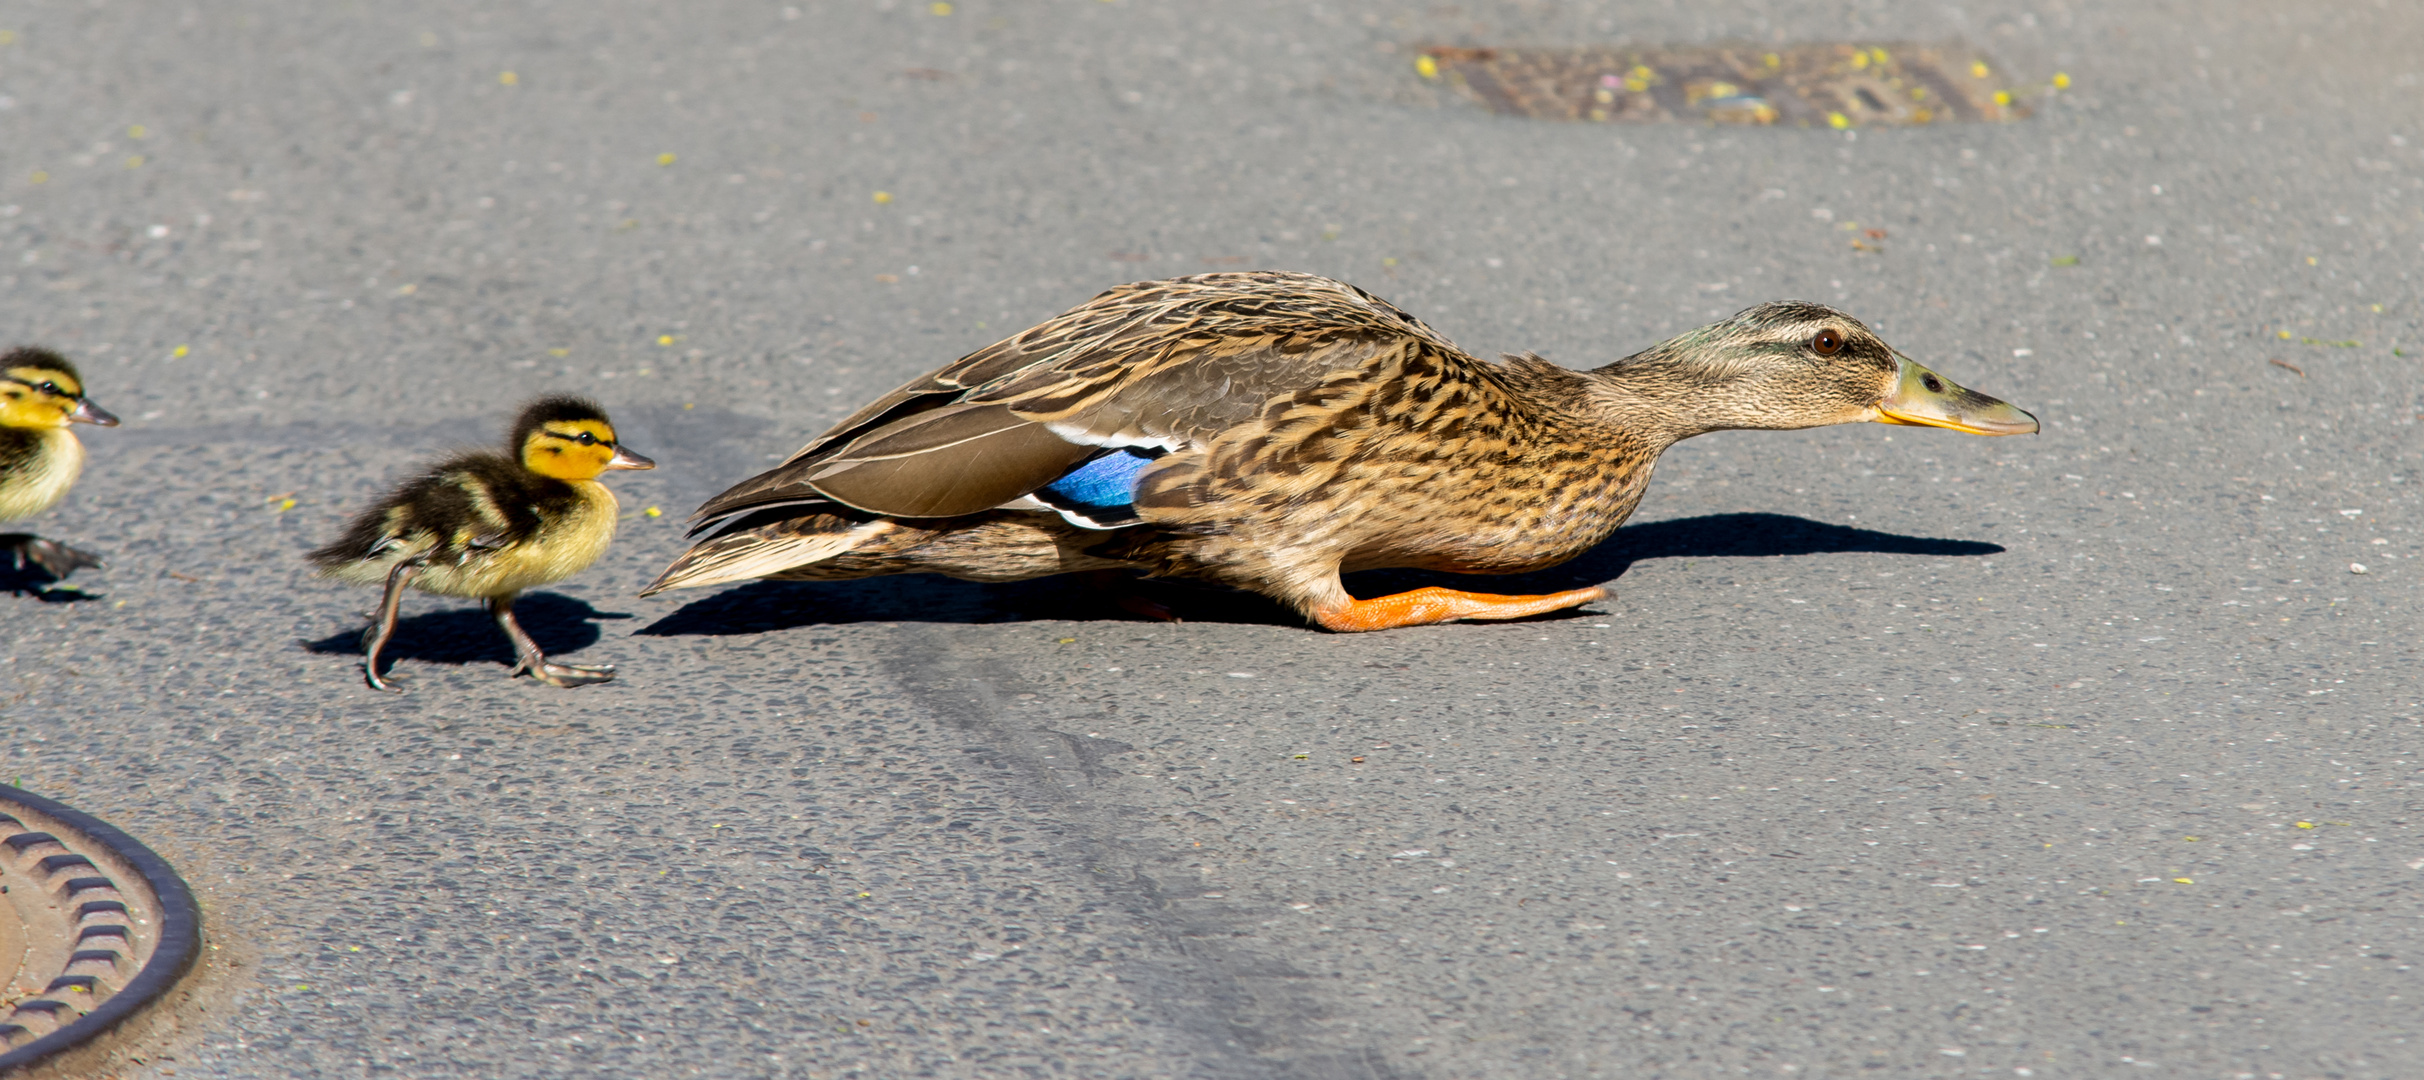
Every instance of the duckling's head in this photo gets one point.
(569, 438)
(40, 389)
(1796, 364)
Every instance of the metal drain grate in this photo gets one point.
(93, 926)
(1839, 85)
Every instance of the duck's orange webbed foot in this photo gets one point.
(1435, 605)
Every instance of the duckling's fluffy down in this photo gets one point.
(481, 525)
(37, 466)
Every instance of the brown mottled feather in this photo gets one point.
(1176, 360)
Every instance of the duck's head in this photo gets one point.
(40, 389)
(1795, 364)
(570, 438)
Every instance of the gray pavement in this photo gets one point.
(1899, 752)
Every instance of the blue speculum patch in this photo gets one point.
(1106, 481)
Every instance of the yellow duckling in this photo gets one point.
(40, 395)
(488, 525)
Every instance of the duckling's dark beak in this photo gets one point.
(625, 459)
(1925, 399)
(89, 413)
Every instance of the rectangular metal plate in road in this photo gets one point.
(1838, 84)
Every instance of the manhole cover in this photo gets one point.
(93, 926)
(1826, 85)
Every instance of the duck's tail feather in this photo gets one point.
(747, 553)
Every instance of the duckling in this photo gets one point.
(40, 395)
(1270, 430)
(488, 526)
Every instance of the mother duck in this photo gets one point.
(1270, 431)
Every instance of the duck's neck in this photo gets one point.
(1650, 406)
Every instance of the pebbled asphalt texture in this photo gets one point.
(1898, 753)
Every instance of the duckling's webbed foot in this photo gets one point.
(572, 675)
(383, 624)
(527, 656)
(56, 559)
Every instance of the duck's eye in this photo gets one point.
(49, 388)
(1827, 343)
(588, 439)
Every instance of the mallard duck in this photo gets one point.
(40, 396)
(1270, 430)
(487, 526)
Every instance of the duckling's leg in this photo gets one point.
(528, 657)
(384, 626)
(58, 559)
(1435, 605)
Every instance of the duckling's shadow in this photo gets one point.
(466, 635)
(782, 605)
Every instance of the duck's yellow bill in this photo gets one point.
(1926, 399)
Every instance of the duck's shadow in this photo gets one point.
(780, 605)
(464, 634)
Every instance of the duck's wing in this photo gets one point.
(1156, 366)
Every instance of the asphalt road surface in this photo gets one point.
(1898, 753)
